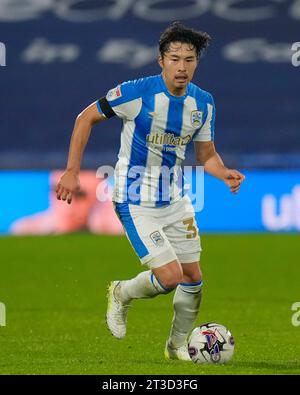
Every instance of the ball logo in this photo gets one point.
(211, 338)
(193, 351)
(215, 354)
(213, 345)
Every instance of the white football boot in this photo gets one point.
(116, 315)
(180, 353)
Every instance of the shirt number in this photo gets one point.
(190, 227)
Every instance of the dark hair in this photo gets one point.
(178, 32)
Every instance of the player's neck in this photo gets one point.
(172, 89)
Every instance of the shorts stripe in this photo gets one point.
(123, 213)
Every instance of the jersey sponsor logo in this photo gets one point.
(114, 93)
(167, 139)
(196, 118)
(157, 238)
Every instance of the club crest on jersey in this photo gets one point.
(114, 93)
(157, 238)
(196, 118)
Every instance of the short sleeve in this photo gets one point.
(207, 130)
(124, 101)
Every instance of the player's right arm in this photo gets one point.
(123, 101)
(69, 181)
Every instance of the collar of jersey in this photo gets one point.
(165, 89)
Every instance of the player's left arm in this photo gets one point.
(207, 156)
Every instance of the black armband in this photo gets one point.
(106, 107)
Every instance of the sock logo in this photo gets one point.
(157, 238)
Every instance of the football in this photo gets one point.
(211, 343)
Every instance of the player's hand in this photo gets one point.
(233, 179)
(67, 185)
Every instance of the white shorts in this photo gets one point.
(160, 235)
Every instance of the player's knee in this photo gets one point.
(172, 283)
(171, 279)
(192, 276)
(169, 275)
(196, 277)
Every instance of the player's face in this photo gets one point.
(178, 65)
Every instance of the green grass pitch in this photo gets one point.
(54, 289)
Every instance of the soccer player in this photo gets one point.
(161, 114)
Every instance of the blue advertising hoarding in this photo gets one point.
(268, 201)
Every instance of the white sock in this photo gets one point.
(186, 304)
(144, 285)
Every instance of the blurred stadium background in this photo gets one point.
(62, 55)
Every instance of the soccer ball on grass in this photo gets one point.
(211, 343)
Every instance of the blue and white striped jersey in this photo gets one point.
(157, 127)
